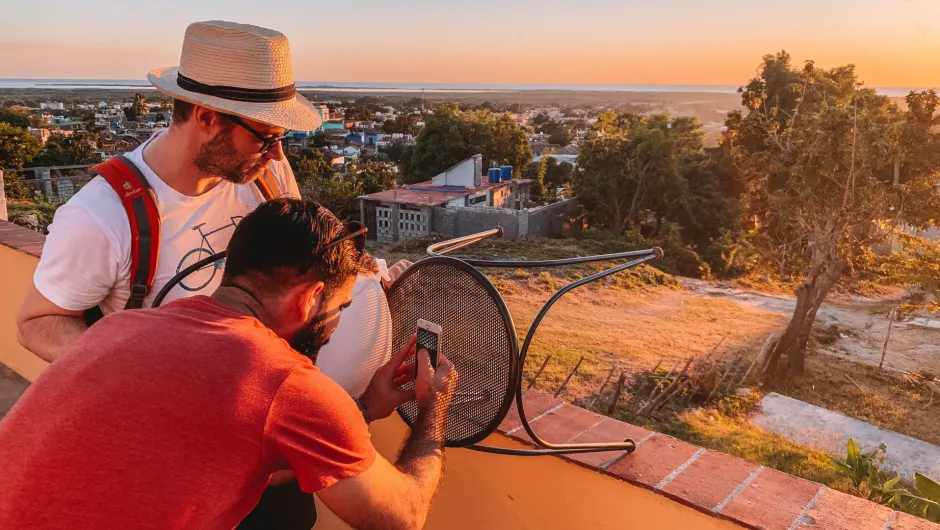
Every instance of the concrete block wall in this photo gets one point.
(547, 221)
(517, 224)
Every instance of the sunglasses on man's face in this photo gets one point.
(267, 142)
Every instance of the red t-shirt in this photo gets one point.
(172, 418)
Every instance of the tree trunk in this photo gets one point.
(659, 224)
(792, 343)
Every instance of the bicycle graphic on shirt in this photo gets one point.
(194, 282)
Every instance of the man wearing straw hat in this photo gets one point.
(234, 101)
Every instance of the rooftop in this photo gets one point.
(427, 194)
(665, 484)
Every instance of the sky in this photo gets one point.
(894, 43)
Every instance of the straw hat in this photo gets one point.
(238, 69)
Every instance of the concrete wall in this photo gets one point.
(547, 221)
(483, 491)
(463, 221)
(517, 224)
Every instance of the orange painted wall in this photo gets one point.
(17, 275)
(484, 491)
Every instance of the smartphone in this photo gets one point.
(428, 338)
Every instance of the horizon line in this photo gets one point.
(451, 83)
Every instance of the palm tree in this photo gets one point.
(140, 104)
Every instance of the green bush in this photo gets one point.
(864, 470)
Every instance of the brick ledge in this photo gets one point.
(715, 483)
(21, 239)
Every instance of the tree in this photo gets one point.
(558, 133)
(823, 161)
(450, 136)
(539, 120)
(16, 116)
(130, 113)
(309, 166)
(61, 150)
(17, 147)
(359, 113)
(404, 124)
(317, 140)
(396, 150)
(631, 168)
(140, 104)
(375, 176)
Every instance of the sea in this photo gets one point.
(347, 86)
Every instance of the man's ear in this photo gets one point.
(206, 120)
(309, 300)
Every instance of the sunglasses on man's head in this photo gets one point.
(267, 142)
(355, 231)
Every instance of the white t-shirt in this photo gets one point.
(362, 341)
(86, 259)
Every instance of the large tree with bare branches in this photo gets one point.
(825, 162)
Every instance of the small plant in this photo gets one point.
(520, 274)
(862, 467)
(864, 470)
(549, 280)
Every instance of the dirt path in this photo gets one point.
(634, 329)
(862, 328)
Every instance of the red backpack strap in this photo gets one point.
(268, 185)
(140, 204)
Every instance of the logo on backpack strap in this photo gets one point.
(131, 192)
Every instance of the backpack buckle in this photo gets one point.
(139, 290)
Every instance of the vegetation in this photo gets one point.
(549, 175)
(822, 160)
(339, 192)
(61, 150)
(404, 124)
(450, 136)
(864, 470)
(637, 172)
(359, 113)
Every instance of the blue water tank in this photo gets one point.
(505, 172)
(493, 175)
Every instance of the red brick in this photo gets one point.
(837, 511)
(909, 522)
(561, 424)
(710, 479)
(773, 501)
(607, 431)
(654, 460)
(20, 238)
(535, 403)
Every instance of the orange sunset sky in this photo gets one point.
(719, 42)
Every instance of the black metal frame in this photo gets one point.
(157, 300)
(548, 448)
(515, 368)
(437, 251)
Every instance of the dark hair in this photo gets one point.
(279, 244)
(182, 111)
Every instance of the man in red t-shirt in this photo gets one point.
(178, 417)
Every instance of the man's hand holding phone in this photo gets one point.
(434, 387)
(384, 393)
